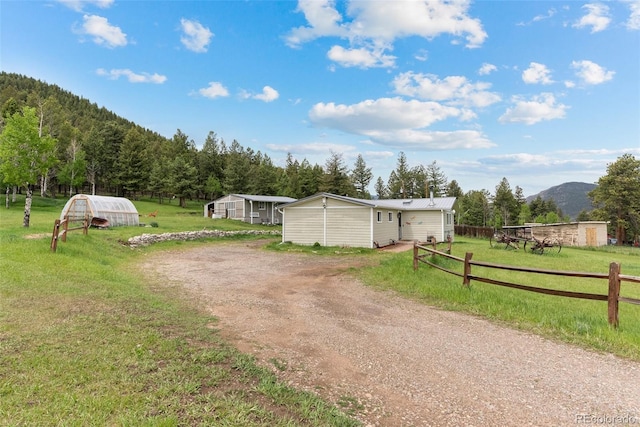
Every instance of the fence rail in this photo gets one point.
(614, 277)
(63, 224)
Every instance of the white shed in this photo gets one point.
(116, 211)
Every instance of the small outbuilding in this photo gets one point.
(332, 220)
(581, 233)
(254, 209)
(101, 210)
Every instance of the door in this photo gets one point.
(399, 225)
(592, 237)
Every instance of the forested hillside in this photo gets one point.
(571, 197)
(98, 151)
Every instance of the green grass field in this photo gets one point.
(85, 341)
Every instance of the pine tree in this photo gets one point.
(361, 177)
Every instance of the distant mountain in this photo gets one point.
(571, 197)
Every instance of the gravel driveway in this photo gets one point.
(395, 361)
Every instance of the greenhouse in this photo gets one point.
(103, 211)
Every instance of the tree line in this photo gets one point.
(58, 143)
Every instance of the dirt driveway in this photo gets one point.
(399, 363)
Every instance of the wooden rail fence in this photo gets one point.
(614, 277)
(61, 228)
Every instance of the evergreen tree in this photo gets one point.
(399, 178)
(437, 179)
(380, 188)
(183, 179)
(310, 178)
(236, 168)
(336, 177)
(132, 171)
(617, 197)
(504, 203)
(361, 177)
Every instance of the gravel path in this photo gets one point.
(394, 361)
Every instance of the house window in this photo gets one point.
(390, 216)
(379, 216)
(262, 206)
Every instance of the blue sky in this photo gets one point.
(539, 92)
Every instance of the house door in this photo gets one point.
(592, 237)
(399, 225)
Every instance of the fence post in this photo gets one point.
(54, 237)
(467, 269)
(65, 228)
(415, 255)
(450, 241)
(614, 293)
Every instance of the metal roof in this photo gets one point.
(258, 198)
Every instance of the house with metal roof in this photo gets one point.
(254, 209)
(332, 220)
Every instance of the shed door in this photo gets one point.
(399, 225)
(592, 237)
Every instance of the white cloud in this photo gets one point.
(375, 25)
(78, 5)
(456, 90)
(214, 90)
(591, 73)
(312, 148)
(634, 18)
(597, 17)
(422, 55)
(396, 122)
(540, 107)
(268, 94)
(115, 74)
(361, 57)
(103, 32)
(537, 74)
(196, 37)
(323, 19)
(486, 69)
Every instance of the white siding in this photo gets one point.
(385, 231)
(349, 226)
(419, 225)
(303, 224)
(340, 223)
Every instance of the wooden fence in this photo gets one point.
(473, 231)
(614, 277)
(59, 234)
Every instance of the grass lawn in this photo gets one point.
(84, 341)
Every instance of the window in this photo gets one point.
(379, 216)
(262, 206)
(390, 216)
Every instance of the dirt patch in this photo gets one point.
(37, 236)
(391, 361)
